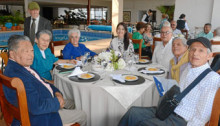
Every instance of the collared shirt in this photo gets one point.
(203, 34)
(36, 23)
(38, 77)
(163, 54)
(196, 106)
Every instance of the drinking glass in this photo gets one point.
(136, 58)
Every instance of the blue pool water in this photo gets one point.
(59, 35)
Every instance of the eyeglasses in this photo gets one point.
(165, 33)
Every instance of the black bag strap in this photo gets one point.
(180, 96)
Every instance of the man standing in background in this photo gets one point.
(145, 18)
(35, 22)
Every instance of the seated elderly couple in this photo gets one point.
(44, 59)
(195, 108)
(45, 101)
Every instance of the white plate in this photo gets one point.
(143, 61)
(130, 77)
(67, 66)
(153, 69)
(81, 76)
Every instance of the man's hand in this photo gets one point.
(60, 99)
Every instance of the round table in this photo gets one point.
(105, 101)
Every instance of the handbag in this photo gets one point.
(172, 97)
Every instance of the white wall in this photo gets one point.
(198, 12)
(216, 14)
(142, 5)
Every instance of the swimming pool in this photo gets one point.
(59, 35)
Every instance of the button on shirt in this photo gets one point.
(196, 106)
(163, 54)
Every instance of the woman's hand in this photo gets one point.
(72, 61)
(60, 99)
(147, 44)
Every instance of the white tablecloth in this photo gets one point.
(106, 102)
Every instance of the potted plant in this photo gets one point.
(2, 22)
(18, 20)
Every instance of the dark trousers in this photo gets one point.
(145, 116)
(216, 63)
(145, 52)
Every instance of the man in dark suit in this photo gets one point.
(45, 101)
(35, 22)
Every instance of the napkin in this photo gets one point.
(118, 77)
(79, 63)
(77, 71)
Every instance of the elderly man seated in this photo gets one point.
(207, 32)
(45, 102)
(163, 52)
(176, 31)
(195, 108)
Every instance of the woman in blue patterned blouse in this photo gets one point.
(43, 58)
(75, 50)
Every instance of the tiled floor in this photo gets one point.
(96, 46)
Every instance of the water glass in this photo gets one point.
(136, 58)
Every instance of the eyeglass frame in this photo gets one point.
(165, 33)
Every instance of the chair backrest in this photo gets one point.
(155, 39)
(138, 41)
(214, 119)
(57, 43)
(185, 33)
(215, 43)
(130, 35)
(10, 111)
(4, 56)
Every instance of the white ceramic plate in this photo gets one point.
(130, 77)
(67, 66)
(143, 61)
(153, 69)
(86, 76)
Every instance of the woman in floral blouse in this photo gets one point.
(122, 43)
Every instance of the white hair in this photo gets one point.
(74, 30)
(183, 40)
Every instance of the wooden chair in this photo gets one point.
(214, 119)
(215, 43)
(4, 56)
(130, 35)
(57, 43)
(9, 111)
(155, 39)
(185, 33)
(138, 41)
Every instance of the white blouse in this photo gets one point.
(118, 45)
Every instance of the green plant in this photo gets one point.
(167, 10)
(18, 19)
(3, 20)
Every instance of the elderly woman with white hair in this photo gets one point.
(75, 50)
(180, 60)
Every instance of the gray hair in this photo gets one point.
(14, 40)
(183, 40)
(39, 33)
(166, 23)
(74, 30)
